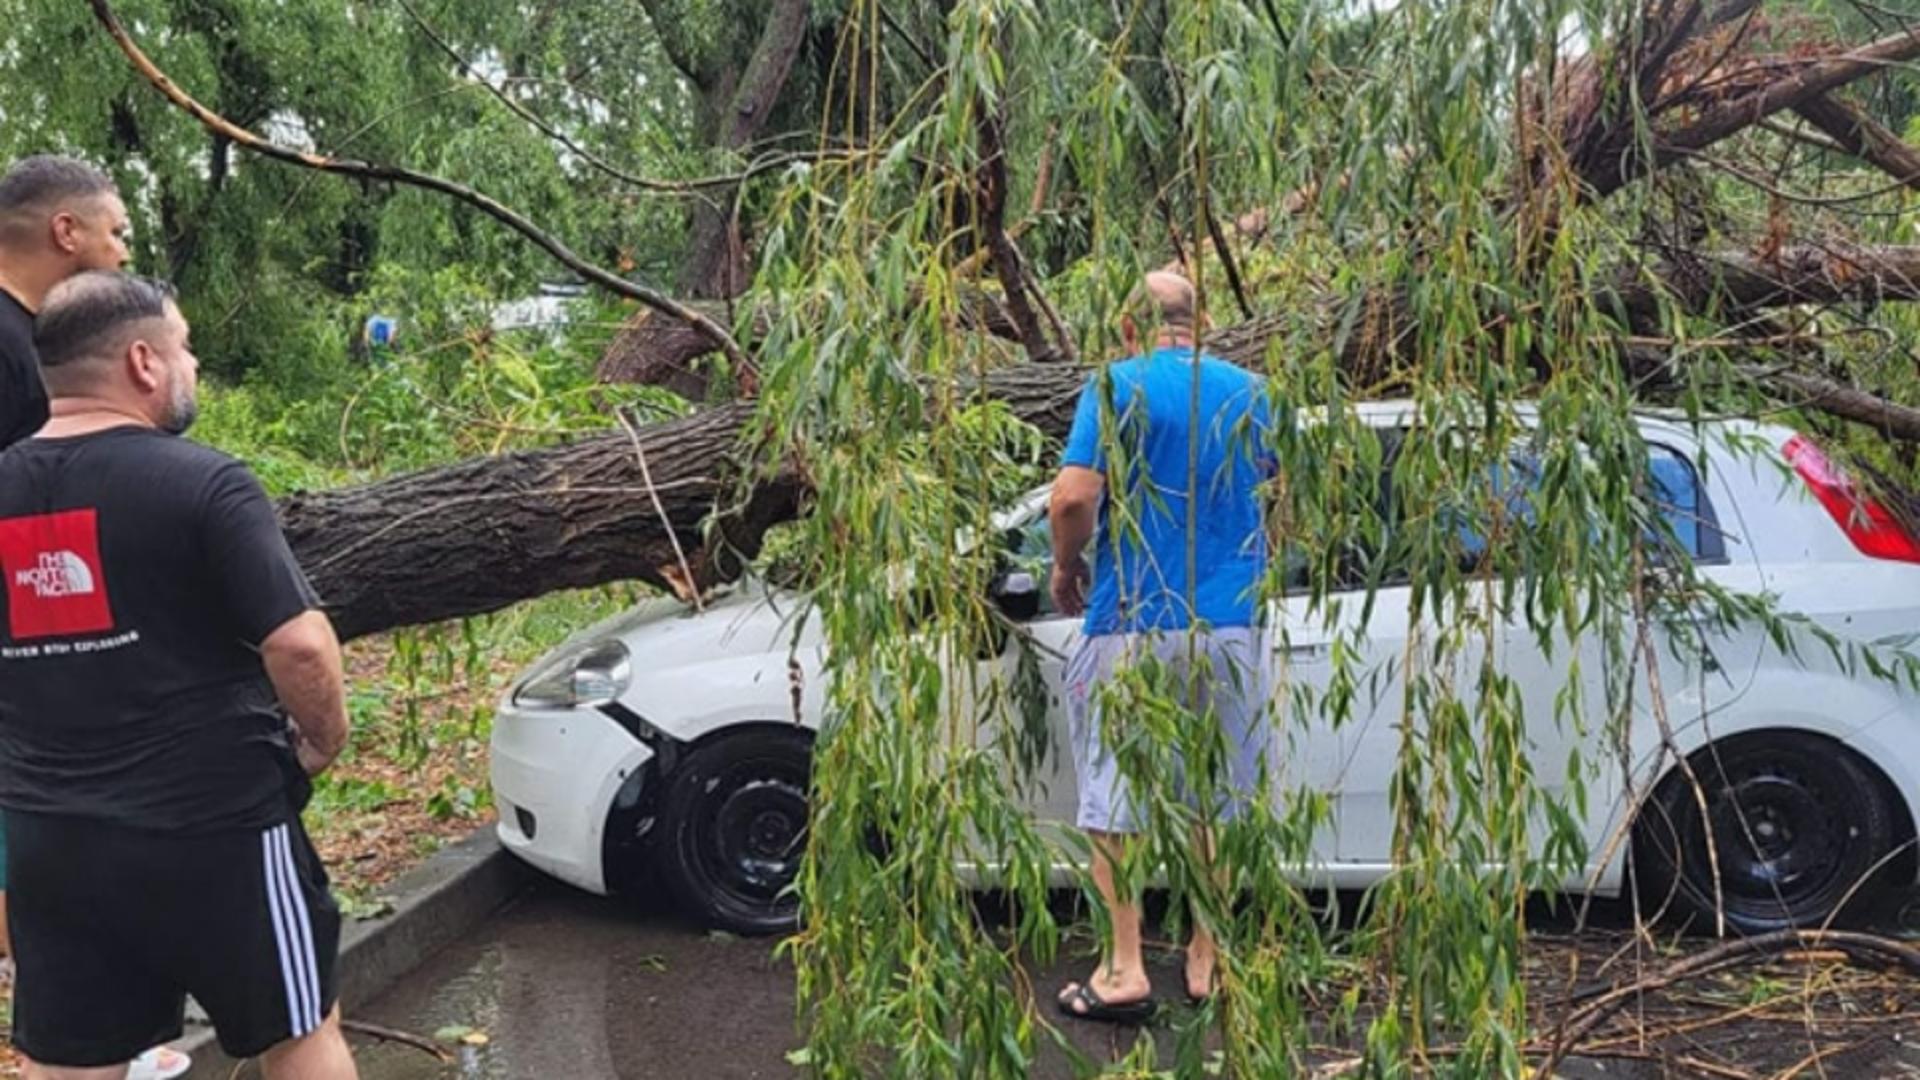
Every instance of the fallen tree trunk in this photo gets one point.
(479, 535)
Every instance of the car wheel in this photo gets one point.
(1797, 821)
(734, 825)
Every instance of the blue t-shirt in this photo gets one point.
(1136, 423)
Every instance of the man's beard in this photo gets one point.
(183, 405)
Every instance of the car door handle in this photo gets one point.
(1306, 653)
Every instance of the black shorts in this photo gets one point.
(113, 927)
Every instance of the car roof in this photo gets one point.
(1666, 425)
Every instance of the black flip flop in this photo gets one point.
(1095, 1008)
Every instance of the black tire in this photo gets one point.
(1797, 819)
(733, 825)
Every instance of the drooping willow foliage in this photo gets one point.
(1387, 146)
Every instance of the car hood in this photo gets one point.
(746, 619)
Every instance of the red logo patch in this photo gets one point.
(55, 586)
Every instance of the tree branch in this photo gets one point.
(1227, 261)
(1849, 403)
(1815, 78)
(668, 27)
(1805, 137)
(221, 126)
(537, 122)
(1863, 137)
(1006, 258)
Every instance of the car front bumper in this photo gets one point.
(555, 775)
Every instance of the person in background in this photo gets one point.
(58, 217)
(167, 687)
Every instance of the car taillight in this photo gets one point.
(1871, 526)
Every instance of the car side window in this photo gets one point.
(1672, 484)
(1675, 490)
(1513, 482)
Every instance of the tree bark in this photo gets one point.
(733, 105)
(655, 351)
(737, 105)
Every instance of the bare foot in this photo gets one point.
(1201, 959)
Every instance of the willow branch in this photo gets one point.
(1864, 137)
(1846, 402)
(1805, 137)
(1814, 79)
(1227, 261)
(562, 254)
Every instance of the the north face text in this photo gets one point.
(60, 573)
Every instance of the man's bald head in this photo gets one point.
(1165, 300)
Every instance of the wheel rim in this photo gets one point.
(1782, 836)
(753, 821)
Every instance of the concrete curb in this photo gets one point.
(433, 904)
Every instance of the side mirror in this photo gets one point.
(1016, 594)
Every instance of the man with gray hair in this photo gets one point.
(1159, 482)
(58, 217)
(167, 687)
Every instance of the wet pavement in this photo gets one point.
(563, 984)
(566, 985)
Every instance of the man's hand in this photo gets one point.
(1069, 587)
(313, 761)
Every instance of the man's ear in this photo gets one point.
(64, 228)
(1129, 332)
(145, 366)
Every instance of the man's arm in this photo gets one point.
(302, 659)
(1073, 510)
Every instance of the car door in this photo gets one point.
(1032, 670)
(1306, 749)
(1566, 686)
(1339, 662)
(1339, 691)
(1407, 669)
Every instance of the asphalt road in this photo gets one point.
(566, 985)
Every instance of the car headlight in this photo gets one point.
(591, 674)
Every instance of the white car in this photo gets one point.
(677, 742)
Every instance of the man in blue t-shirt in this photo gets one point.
(1160, 479)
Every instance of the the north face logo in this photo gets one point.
(54, 583)
(60, 573)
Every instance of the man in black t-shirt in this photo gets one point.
(167, 686)
(58, 217)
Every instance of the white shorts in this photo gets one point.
(1223, 680)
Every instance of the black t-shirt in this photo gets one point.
(23, 398)
(142, 571)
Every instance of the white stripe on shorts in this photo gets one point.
(293, 933)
